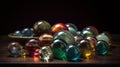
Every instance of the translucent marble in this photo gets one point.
(45, 53)
(86, 33)
(85, 47)
(92, 39)
(17, 33)
(14, 49)
(41, 27)
(65, 35)
(31, 46)
(45, 39)
(72, 28)
(58, 48)
(73, 53)
(78, 39)
(57, 27)
(27, 32)
(104, 36)
(101, 47)
(93, 28)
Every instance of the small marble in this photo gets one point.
(72, 28)
(27, 32)
(14, 49)
(45, 53)
(17, 33)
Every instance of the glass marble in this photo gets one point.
(46, 39)
(101, 47)
(27, 32)
(57, 27)
(86, 33)
(17, 33)
(41, 27)
(72, 28)
(58, 48)
(105, 37)
(14, 49)
(92, 39)
(73, 53)
(65, 35)
(93, 28)
(31, 46)
(59, 43)
(85, 48)
(45, 53)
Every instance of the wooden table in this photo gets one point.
(113, 56)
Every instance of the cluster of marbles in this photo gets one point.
(61, 41)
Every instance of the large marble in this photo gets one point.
(41, 27)
(65, 35)
(101, 48)
(57, 27)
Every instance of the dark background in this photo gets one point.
(16, 15)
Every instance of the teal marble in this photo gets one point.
(65, 35)
(101, 47)
(73, 53)
(72, 28)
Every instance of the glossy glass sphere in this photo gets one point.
(27, 32)
(57, 27)
(46, 39)
(45, 53)
(41, 27)
(101, 48)
(85, 48)
(58, 48)
(93, 28)
(17, 33)
(93, 39)
(31, 46)
(73, 53)
(104, 36)
(14, 49)
(72, 28)
(66, 36)
(86, 33)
